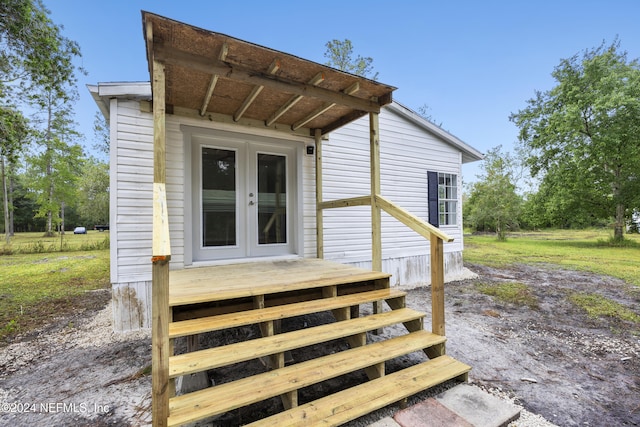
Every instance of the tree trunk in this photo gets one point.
(62, 218)
(5, 201)
(49, 170)
(618, 228)
(11, 188)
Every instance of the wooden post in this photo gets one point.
(437, 288)
(376, 227)
(319, 218)
(160, 348)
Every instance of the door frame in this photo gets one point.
(296, 147)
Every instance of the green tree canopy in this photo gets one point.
(340, 55)
(587, 128)
(493, 204)
(93, 192)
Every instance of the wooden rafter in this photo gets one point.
(349, 91)
(315, 81)
(214, 80)
(238, 72)
(273, 69)
(354, 115)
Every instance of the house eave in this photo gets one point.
(102, 93)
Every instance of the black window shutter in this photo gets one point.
(432, 192)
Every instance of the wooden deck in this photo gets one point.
(263, 293)
(225, 282)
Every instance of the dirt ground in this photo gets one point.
(552, 360)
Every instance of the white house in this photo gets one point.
(237, 191)
(228, 171)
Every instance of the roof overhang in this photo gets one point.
(102, 93)
(215, 74)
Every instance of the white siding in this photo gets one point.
(132, 190)
(407, 152)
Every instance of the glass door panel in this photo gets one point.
(219, 197)
(272, 199)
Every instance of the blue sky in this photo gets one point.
(472, 62)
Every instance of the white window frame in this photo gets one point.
(448, 199)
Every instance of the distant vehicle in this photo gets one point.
(101, 227)
(80, 230)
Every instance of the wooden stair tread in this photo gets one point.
(194, 285)
(346, 405)
(229, 396)
(212, 358)
(230, 320)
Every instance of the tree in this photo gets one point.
(93, 192)
(36, 64)
(25, 41)
(587, 128)
(493, 203)
(101, 134)
(54, 171)
(53, 94)
(425, 111)
(340, 55)
(13, 133)
(554, 204)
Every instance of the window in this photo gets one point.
(447, 198)
(442, 193)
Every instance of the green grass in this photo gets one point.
(597, 306)
(511, 292)
(36, 288)
(584, 250)
(36, 242)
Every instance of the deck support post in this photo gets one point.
(161, 255)
(319, 219)
(376, 225)
(437, 289)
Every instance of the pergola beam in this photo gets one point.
(273, 68)
(349, 91)
(315, 81)
(240, 73)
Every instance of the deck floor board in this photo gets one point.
(223, 282)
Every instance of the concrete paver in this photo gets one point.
(478, 407)
(429, 413)
(461, 406)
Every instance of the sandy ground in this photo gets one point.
(552, 360)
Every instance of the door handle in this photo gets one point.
(251, 203)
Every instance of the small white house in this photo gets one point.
(237, 192)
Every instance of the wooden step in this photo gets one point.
(229, 396)
(216, 357)
(250, 317)
(349, 404)
(224, 282)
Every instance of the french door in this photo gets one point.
(244, 204)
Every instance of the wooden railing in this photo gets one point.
(436, 238)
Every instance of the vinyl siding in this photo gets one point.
(131, 217)
(407, 152)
